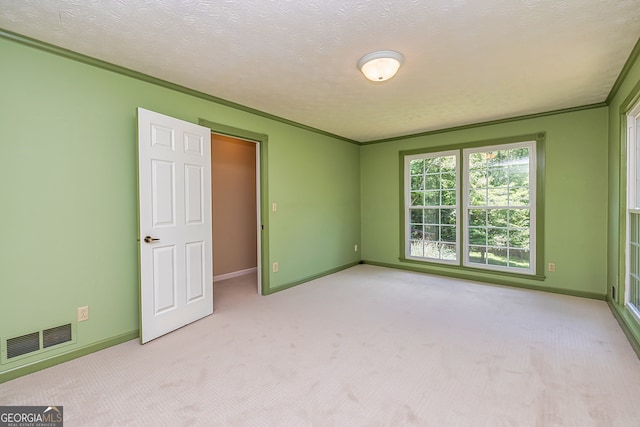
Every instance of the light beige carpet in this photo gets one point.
(368, 346)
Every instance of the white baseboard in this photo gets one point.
(234, 274)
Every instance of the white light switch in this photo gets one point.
(274, 207)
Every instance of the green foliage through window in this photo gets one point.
(490, 217)
(498, 207)
(433, 207)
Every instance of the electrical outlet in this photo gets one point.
(355, 248)
(275, 267)
(83, 313)
(552, 267)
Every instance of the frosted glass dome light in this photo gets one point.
(380, 66)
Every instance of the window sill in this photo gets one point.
(464, 272)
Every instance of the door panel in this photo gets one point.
(164, 279)
(193, 178)
(163, 198)
(175, 223)
(195, 273)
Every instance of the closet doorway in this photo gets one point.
(235, 178)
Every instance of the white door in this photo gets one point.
(174, 166)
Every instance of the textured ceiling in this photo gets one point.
(466, 61)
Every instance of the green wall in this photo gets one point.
(627, 91)
(316, 184)
(575, 202)
(68, 186)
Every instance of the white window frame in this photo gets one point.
(407, 204)
(633, 198)
(462, 201)
(531, 145)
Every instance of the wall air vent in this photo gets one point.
(23, 344)
(36, 342)
(57, 335)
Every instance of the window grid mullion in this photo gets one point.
(503, 178)
(433, 199)
(504, 231)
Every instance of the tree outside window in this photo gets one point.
(473, 207)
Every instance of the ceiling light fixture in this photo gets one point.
(380, 66)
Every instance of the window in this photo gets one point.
(474, 206)
(632, 294)
(498, 206)
(433, 204)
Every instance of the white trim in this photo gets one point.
(634, 311)
(629, 199)
(531, 145)
(632, 187)
(233, 274)
(407, 204)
